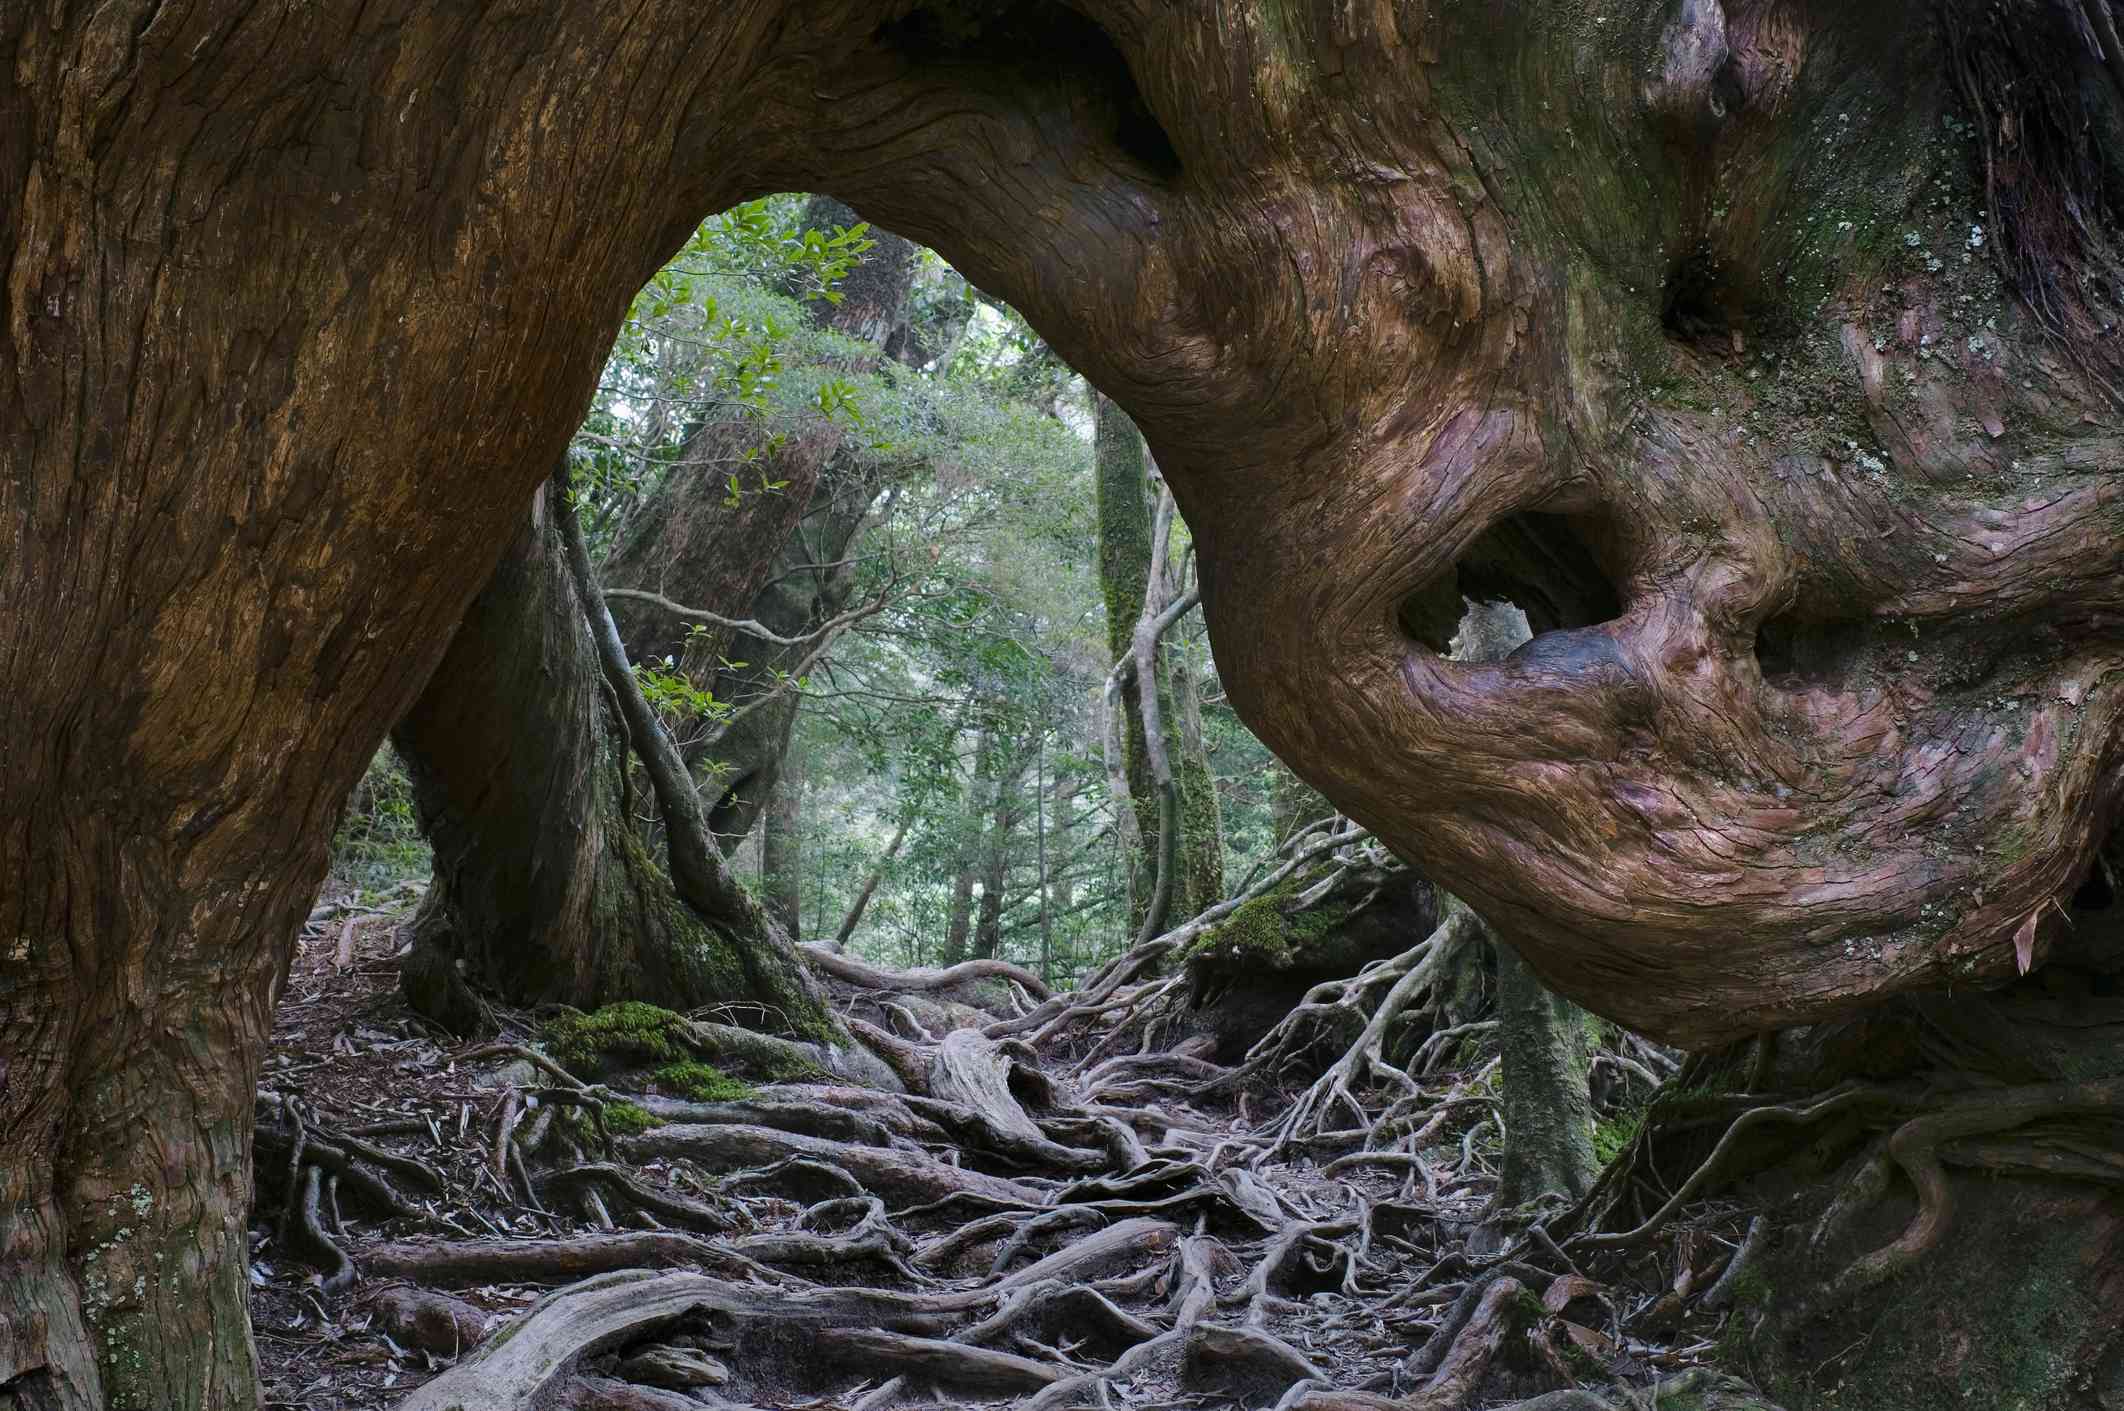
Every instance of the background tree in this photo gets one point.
(545, 888)
(1125, 553)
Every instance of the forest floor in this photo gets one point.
(1032, 1229)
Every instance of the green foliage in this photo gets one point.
(701, 1082)
(711, 337)
(378, 841)
(630, 1031)
(1612, 1134)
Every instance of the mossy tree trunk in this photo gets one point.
(1544, 1045)
(688, 545)
(782, 848)
(546, 888)
(1122, 486)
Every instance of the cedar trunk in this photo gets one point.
(1680, 321)
(544, 888)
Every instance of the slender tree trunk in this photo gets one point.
(854, 918)
(1122, 486)
(1548, 1105)
(966, 865)
(782, 847)
(995, 869)
(1126, 553)
(1200, 884)
(1047, 932)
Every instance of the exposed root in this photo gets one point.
(1415, 972)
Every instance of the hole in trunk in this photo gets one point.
(2095, 894)
(1043, 43)
(1543, 564)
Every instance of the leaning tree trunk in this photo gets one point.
(544, 888)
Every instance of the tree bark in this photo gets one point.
(782, 849)
(299, 314)
(1543, 1044)
(545, 889)
(1126, 553)
(958, 926)
(995, 864)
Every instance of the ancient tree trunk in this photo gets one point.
(544, 888)
(779, 558)
(1682, 323)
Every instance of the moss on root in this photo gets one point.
(701, 1082)
(630, 1031)
(1263, 932)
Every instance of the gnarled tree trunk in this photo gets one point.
(299, 314)
(546, 885)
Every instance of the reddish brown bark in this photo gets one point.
(1824, 701)
(300, 306)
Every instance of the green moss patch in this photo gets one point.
(701, 1082)
(1263, 932)
(629, 1032)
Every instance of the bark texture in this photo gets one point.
(300, 307)
(1547, 1105)
(545, 888)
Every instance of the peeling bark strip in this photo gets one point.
(1825, 697)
